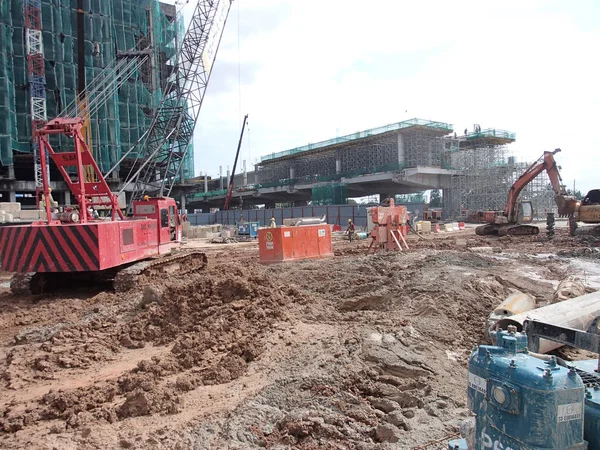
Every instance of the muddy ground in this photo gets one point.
(352, 352)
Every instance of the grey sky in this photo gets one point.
(313, 69)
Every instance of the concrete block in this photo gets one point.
(2, 216)
(10, 207)
(30, 214)
(448, 227)
(424, 226)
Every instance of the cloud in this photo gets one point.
(314, 69)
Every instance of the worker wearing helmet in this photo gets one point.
(350, 230)
(272, 224)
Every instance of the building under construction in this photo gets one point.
(475, 170)
(486, 170)
(50, 50)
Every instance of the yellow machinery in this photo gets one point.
(588, 212)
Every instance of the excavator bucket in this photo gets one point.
(566, 204)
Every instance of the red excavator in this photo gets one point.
(517, 215)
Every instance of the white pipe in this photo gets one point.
(516, 303)
(577, 313)
(311, 221)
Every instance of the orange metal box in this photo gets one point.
(294, 243)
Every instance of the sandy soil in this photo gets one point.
(352, 352)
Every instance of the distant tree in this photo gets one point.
(435, 198)
(577, 194)
(351, 201)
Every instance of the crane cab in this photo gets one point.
(168, 225)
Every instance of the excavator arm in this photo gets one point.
(545, 162)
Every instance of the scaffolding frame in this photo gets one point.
(486, 174)
(410, 143)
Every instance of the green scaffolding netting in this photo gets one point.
(109, 27)
(331, 194)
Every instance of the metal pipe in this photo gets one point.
(311, 221)
(578, 313)
(515, 303)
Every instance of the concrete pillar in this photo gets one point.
(221, 177)
(245, 174)
(338, 165)
(183, 203)
(291, 173)
(11, 172)
(228, 178)
(67, 198)
(12, 196)
(205, 183)
(400, 148)
(446, 203)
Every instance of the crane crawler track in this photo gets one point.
(131, 277)
(142, 272)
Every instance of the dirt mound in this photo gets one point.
(214, 324)
(353, 351)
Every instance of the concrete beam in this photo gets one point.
(29, 186)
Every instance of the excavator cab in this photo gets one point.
(525, 212)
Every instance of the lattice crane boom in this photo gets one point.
(170, 134)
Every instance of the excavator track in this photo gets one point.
(507, 230)
(486, 230)
(142, 272)
(587, 230)
(518, 230)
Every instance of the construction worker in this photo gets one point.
(350, 230)
(53, 203)
(272, 224)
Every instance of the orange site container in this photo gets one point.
(294, 243)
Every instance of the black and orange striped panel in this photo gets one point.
(55, 248)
